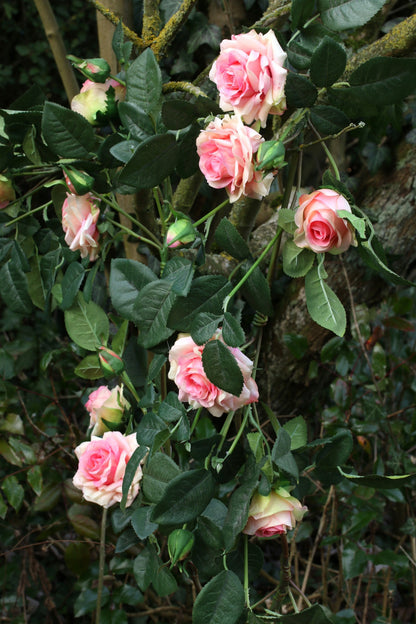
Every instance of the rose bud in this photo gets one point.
(270, 156)
(97, 102)
(180, 233)
(111, 363)
(106, 405)
(78, 182)
(96, 69)
(79, 222)
(319, 227)
(180, 544)
(7, 193)
(273, 514)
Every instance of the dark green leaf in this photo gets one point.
(230, 240)
(316, 614)
(144, 82)
(337, 450)
(256, 289)
(164, 583)
(136, 121)
(300, 12)
(237, 514)
(171, 409)
(354, 562)
(145, 567)
(13, 491)
(151, 163)
(150, 426)
(281, 445)
(187, 160)
(301, 47)
(297, 429)
(327, 63)
(89, 368)
(71, 283)
(67, 133)
(179, 271)
(221, 601)
(87, 324)
(185, 497)
(300, 92)
(152, 309)
(124, 150)
(14, 289)
(232, 331)
(323, 305)
(221, 367)
(328, 120)
(206, 295)
(131, 469)
(379, 482)
(141, 522)
(343, 14)
(158, 472)
(127, 278)
(203, 327)
(297, 344)
(177, 114)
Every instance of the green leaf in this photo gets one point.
(298, 431)
(67, 133)
(232, 331)
(179, 271)
(286, 220)
(379, 482)
(164, 583)
(34, 478)
(152, 162)
(301, 47)
(203, 327)
(369, 251)
(297, 344)
(138, 123)
(230, 240)
(152, 309)
(141, 522)
(328, 120)
(187, 160)
(221, 368)
(13, 491)
(354, 562)
(207, 294)
(71, 283)
(336, 450)
(300, 92)
(87, 324)
(185, 497)
(300, 12)
(323, 305)
(171, 409)
(358, 222)
(131, 469)
(237, 514)
(158, 472)
(127, 278)
(316, 614)
(145, 567)
(3, 508)
(177, 114)
(14, 289)
(144, 82)
(206, 34)
(343, 14)
(221, 601)
(297, 261)
(89, 368)
(327, 63)
(256, 289)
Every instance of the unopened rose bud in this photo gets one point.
(78, 182)
(96, 69)
(7, 193)
(180, 233)
(106, 408)
(97, 102)
(270, 156)
(180, 544)
(111, 363)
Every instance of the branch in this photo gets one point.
(278, 11)
(151, 21)
(57, 46)
(130, 34)
(187, 87)
(169, 31)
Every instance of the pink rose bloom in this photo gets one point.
(188, 373)
(105, 404)
(226, 149)
(92, 98)
(250, 76)
(79, 222)
(319, 226)
(7, 193)
(101, 468)
(273, 514)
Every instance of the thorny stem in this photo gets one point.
(101, 566)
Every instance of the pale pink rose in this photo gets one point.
(93, 99)
(7, 193)
(188, 373)
(79, 222)
(250, 76)
(105, 404)
(101, 468)
(319, 227)
(273, 514)
(226, 149)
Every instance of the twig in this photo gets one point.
(170, 30)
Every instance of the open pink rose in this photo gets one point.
(105, 404)
(188, 373)
(319, 226)
(79, 222)
(101, 469)
(250, 76)
(226, 149)
(93, 99)
(273, 514)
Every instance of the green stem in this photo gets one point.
(246, 592)
(239, 433)
(212, 213)
(331, 160)
(224, 430)
(251, 269)
(126, 379)
(131, 233)
(101, 566)
(195, 421)
(27, 214)
(292, 600)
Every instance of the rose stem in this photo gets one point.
(101, 566)
(246, 593)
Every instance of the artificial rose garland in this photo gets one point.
(273, 514)
(188, 373)
(226, 149)
(250, 76)
(102, 466)
(105, 404)
(319, 227)
(79, 221)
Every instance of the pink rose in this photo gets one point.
(226, 149)
(7, 193)
(93, 98)
(79, 222)
(250, 76)
(105, 404)
(273, 514)
(187, 372)
(101, 469)
(319, 226)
